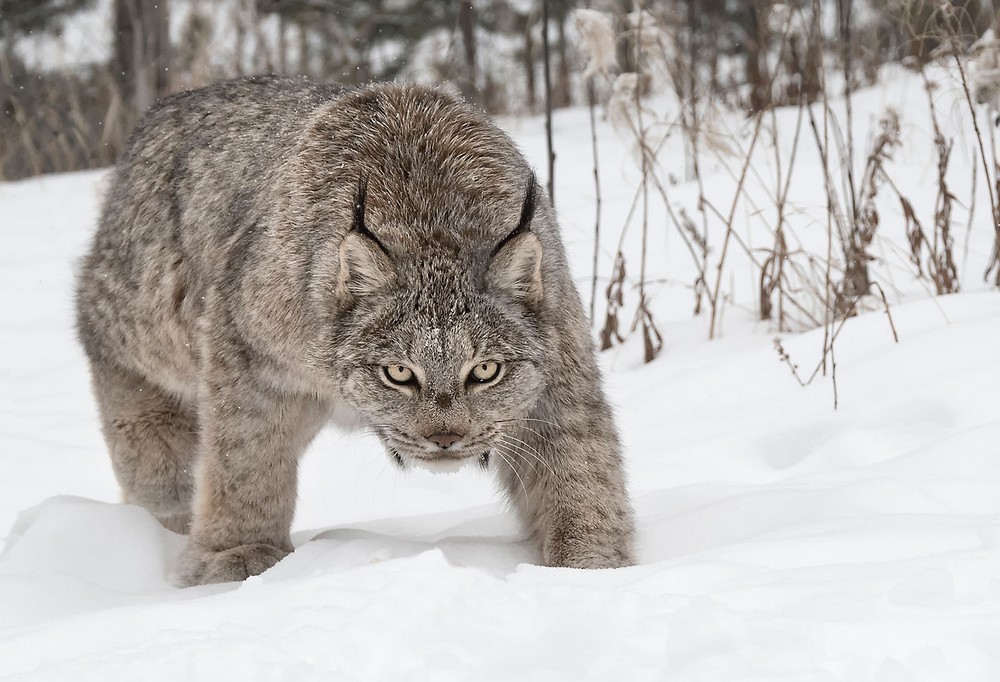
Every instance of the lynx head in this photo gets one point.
(445, 350)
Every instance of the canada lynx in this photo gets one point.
(271, 249)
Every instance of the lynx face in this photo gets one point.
(444, 358)
(439, 390)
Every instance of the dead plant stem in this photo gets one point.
(597, 195)
(729, 223)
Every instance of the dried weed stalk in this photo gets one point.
(941, 266)
(945, 30)
(615, 296)
(598, 41)
(625, 108)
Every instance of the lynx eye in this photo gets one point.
(485, 372)
(401, 375)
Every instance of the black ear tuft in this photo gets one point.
(359, 205)
(358, 224)
(528, 207)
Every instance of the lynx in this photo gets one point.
(272, 249)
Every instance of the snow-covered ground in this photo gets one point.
(779, 539)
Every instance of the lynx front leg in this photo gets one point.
(245, 484)
(563, 471)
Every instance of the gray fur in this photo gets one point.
(232, 299)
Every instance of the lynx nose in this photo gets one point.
(444, 440)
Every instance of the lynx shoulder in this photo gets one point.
(271, 249)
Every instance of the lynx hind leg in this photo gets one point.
(152, 439)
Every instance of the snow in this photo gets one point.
(779, 538)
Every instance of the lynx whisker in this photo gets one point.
(537, 434)
(497, 449)
(518, 456)
(525, 449)
(528, 419)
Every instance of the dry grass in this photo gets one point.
(57, 122)
(797, 288)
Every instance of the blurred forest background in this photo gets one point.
(800, 195)
(76, 74)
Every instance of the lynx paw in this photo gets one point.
(200, 566)
(612, 559)
(594, 555)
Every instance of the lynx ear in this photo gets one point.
(365, 266)
(516, 263)
(516, 268)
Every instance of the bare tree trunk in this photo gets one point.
(691, 70)
(976, 17)
(624, 47)
(757, 78)
(467, 26)
(529, 62)
(562, 97)
(813, 77)
(142, 52)
(305, 53)
(239, 17)
(282, 45)
(714, 29)
(548, 101)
